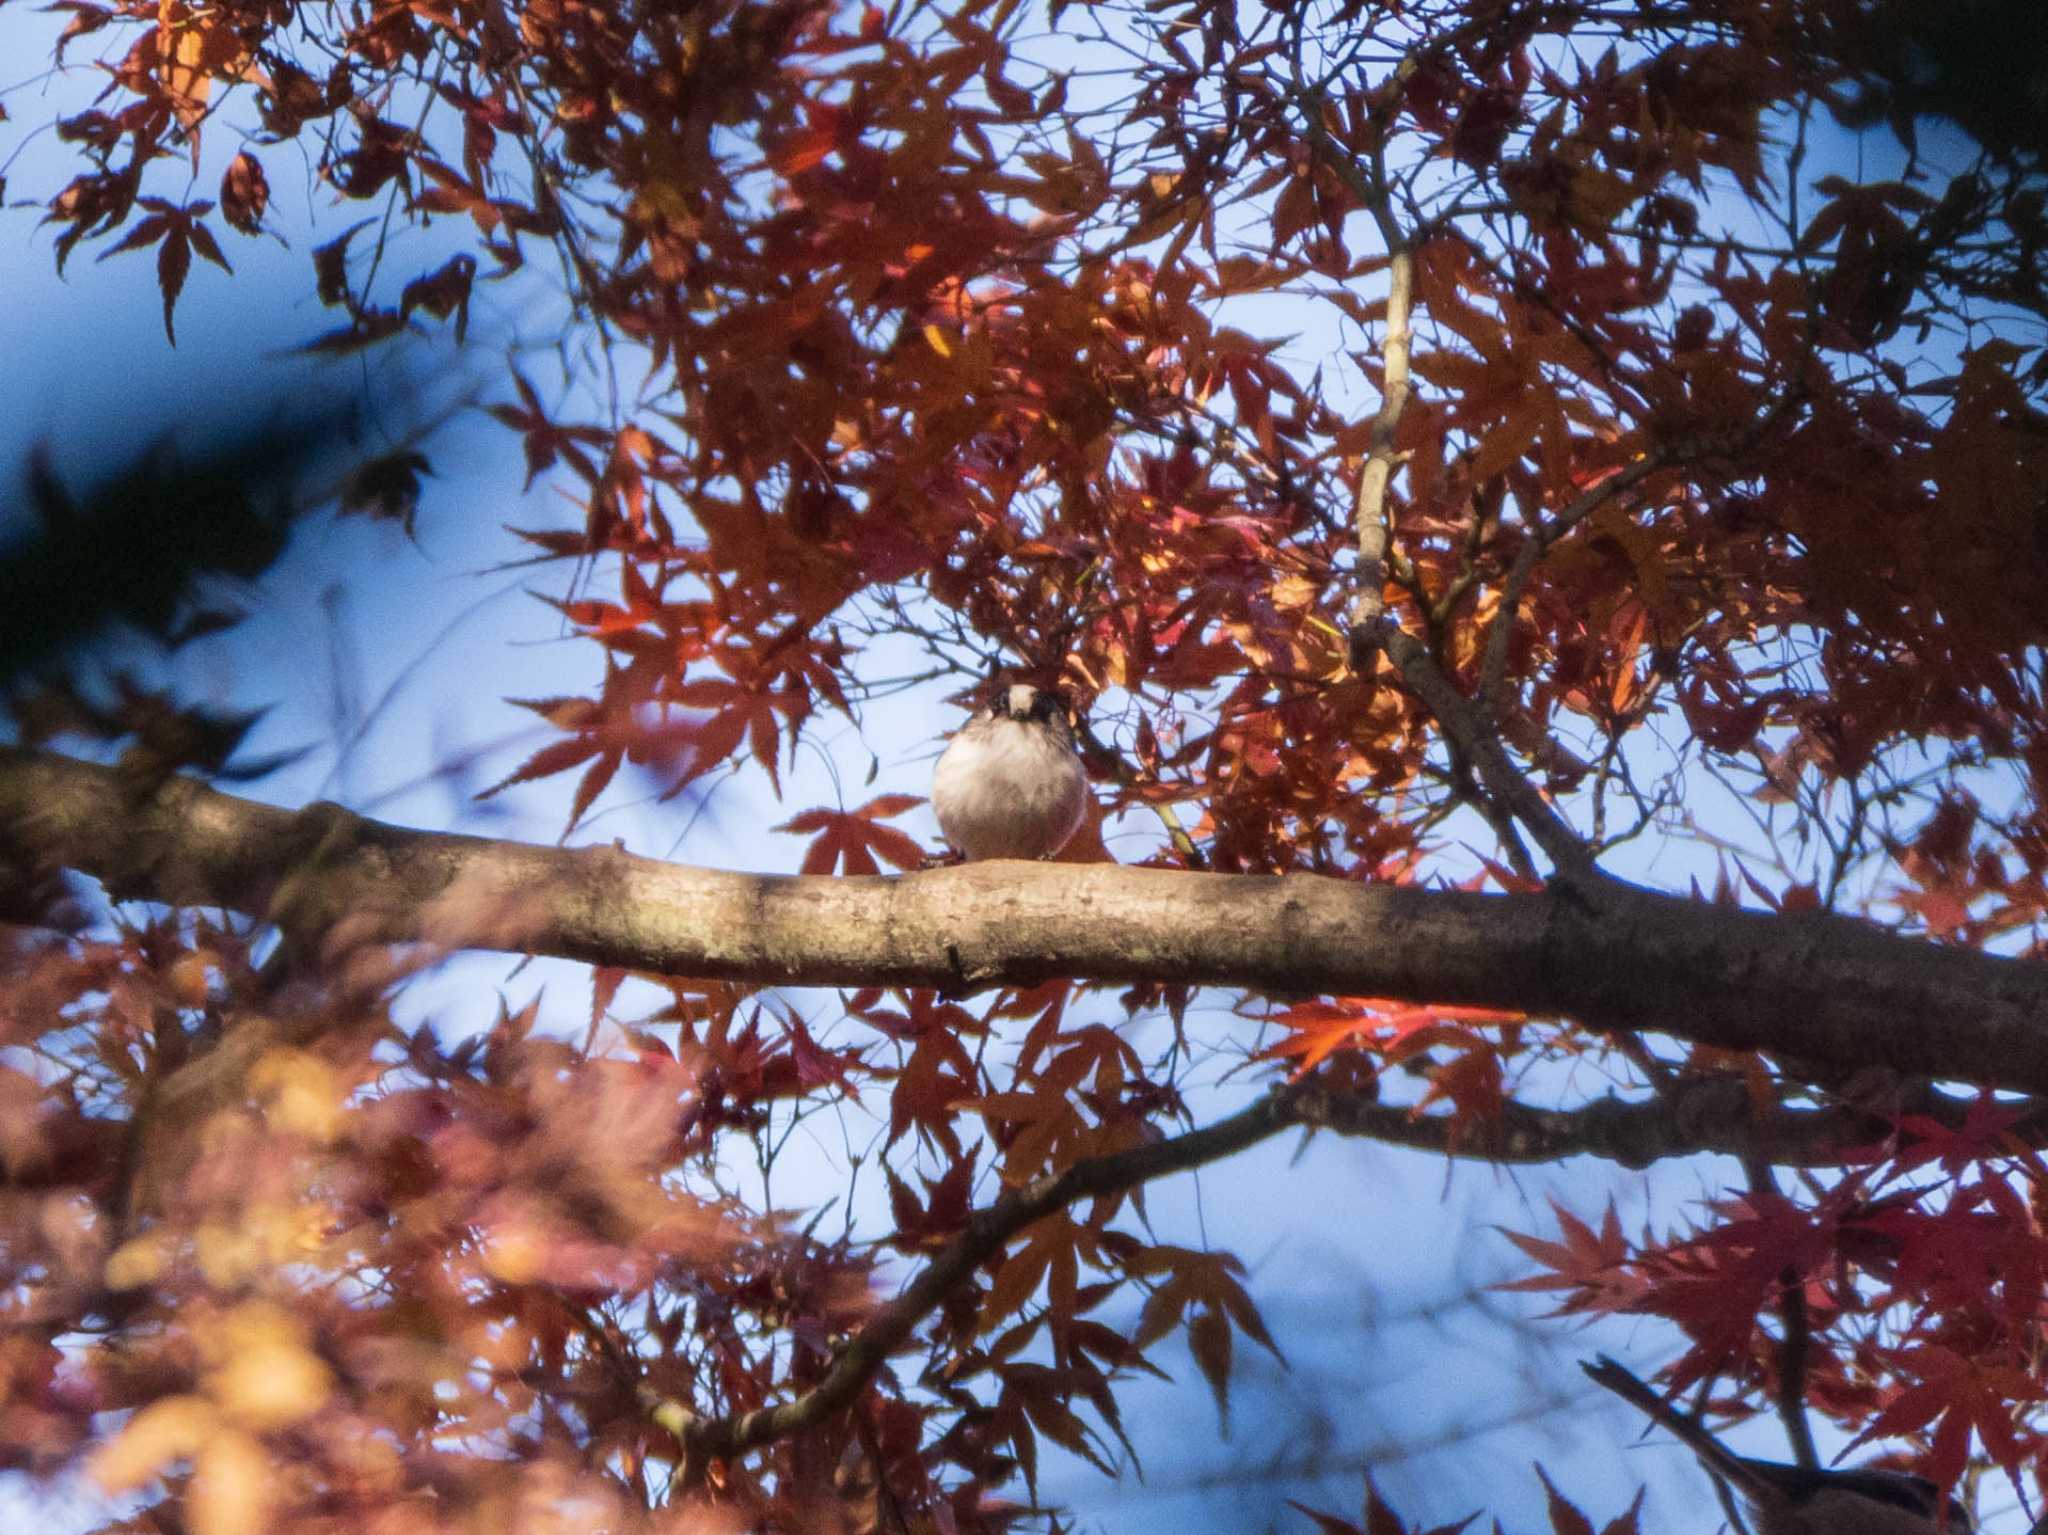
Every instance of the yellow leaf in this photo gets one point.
(226, 1255)
(272, 1387)
(1628, 647)
(160, 1433)
(267, 1377)
(195, 46)
(514, 1254)
(1295, 591)
(136, 1262)
(301, 1093)
(231, 1487)
(937, 340)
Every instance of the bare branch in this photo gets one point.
(1371, 511)
(1710, 1114)
(1470, 730)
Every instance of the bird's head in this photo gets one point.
(1022, 701)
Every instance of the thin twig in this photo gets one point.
(1111, 761)
(988, 1232)
(1466, 723)
(1790, 1396)
(1493, 671)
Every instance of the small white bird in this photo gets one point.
(1009, 785)
(1795, 1500)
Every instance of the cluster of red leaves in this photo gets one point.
(941, 353)
(1917, 1280)
(377, 1281)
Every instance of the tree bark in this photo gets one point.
(1829, 991)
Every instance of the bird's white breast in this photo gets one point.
(1008, 788)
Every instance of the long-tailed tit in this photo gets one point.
(1009, 784)
(1798, 1500)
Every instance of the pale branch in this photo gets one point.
(1511, 795)
(1371, 513)
(1832, 995)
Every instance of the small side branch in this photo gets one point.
(1469, 729)
(1395, 386)
(1734, 445)
(1472, 732)
(1711, 1114)
(1493, 671)
(987, 1234)
(1795, 1336)
(1371, 187)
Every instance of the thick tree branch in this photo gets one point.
(1824, 990)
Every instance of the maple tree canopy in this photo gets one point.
(1540, 507)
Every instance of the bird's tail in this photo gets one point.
(1715, 1456)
